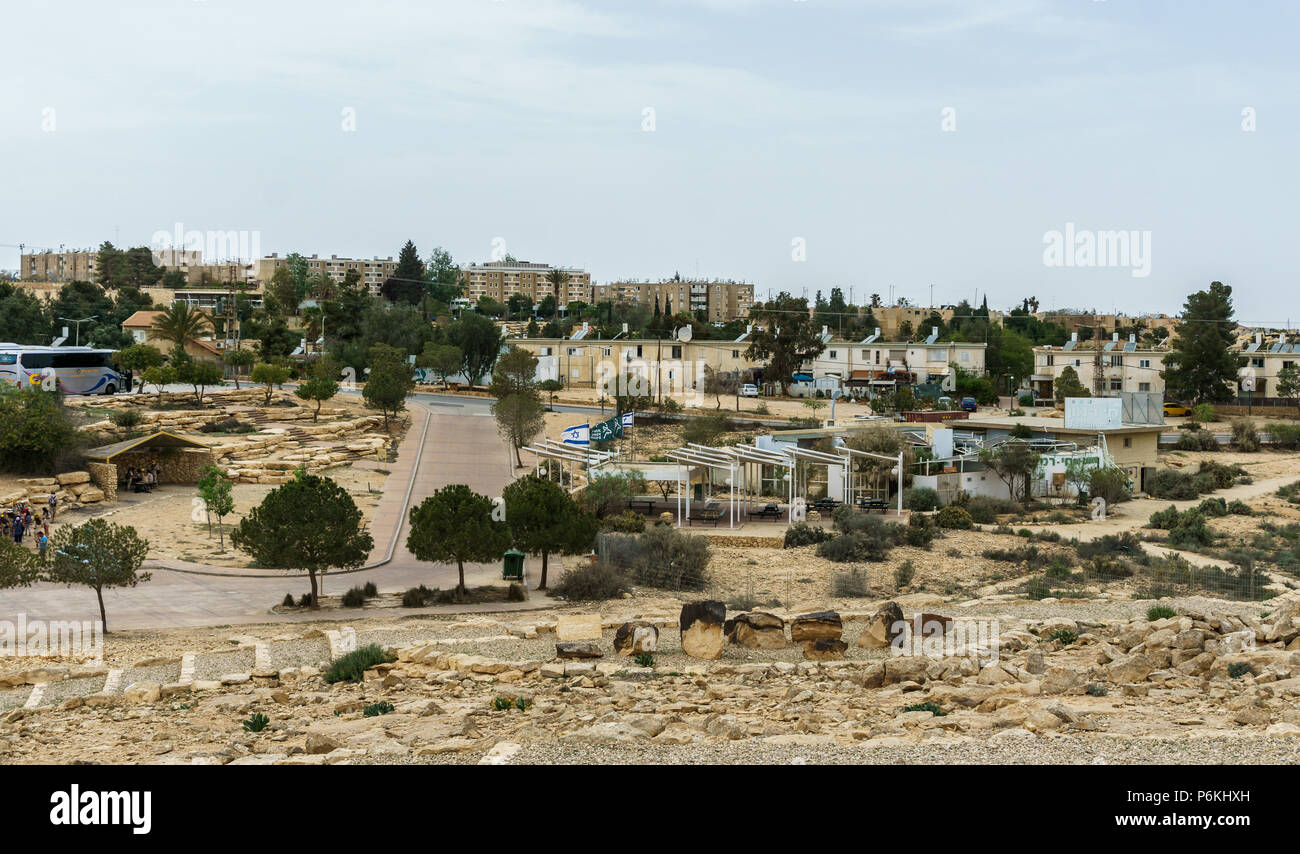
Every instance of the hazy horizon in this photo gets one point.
(900, 144)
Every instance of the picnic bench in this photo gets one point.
(710, 513)
(824, 504)
(769, 511)
(870, 504)
(648, 503)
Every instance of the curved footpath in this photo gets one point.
(449, 442)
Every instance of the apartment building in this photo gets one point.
(868, 365)
(76, 265)
(1113, 367)
(720, 301)
(1261, 362)
(500, 280)
(373, 271)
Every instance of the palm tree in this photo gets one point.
(557, 279)
(180, 323)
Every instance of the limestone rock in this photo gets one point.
(574, 627)
(636, 637)
(824, 649)
(577, 649)
(318, 743)
(701, 626)
(821, 624)
(756, 630)
(883, 628)
(142, 692)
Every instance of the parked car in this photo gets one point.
(968, 404)
(749, 390)
(1177, 410)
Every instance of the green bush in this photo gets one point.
(920, 498)
(1213, 508)
(35, 431)
(354, 598)
(257, 722)
(1238, 669)
(370, 591)
(352, 666)
(985, 509)
(383, 707)
(850, 585)
(1240, 508)
(1109, 483)
(1203, 413)
(288, 601)
(1065, 636)
(1126, 544)
(920, 532)
(954, 518)
(644, 659)
(127, 419)
(1244, 435)
(591, 582)
(1190, 532)
(1096, 689)
(1171, 485)
(928, 706)
(1165, 519)
(1285, 437)
(1160, 612)
(627, 522)
(904, 574)
(1221, 475)
(418, 597)
(803, 534)
(502, 704)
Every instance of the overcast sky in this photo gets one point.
(901, 143)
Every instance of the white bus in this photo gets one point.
(75, 370)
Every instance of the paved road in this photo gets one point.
(461, 445)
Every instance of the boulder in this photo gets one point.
(930, 625)
(820, 624)
(142, 692)
(577, 649)
(824, 649)
(883, 628)
(72, 477)
(575, 627)
(701, 626)
(92, 495)
(318, 743)
(756, 630)
(636, 637)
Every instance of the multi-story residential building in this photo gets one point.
(500, 280)
(1261, 362)
(373, 271)
(76, 265)
(720, 301)
(867, 365)
(1113, 367)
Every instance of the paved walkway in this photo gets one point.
(446, 444)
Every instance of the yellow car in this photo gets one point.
(1177, 410)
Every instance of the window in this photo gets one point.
(1128, 441)
(546, 351)
(575, 351)
(965, 356)
(604, 352)
(675, 352)
(1144, 386)
(1116, 385)
(8, 358)
(735, 354)
(1257, 363)
(38, 360)
(1144, 363)
(832, 355)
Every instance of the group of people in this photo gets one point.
(143, 479)
(20, 521)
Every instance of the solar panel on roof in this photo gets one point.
(1110, 345)
(1130, 347)
(1070, 345)
(1253, 347)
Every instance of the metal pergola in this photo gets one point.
(562, 453)
(848, 455)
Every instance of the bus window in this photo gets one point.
(8, 358)
(38, 360)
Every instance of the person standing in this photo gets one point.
(42, 544)
(52, 503)
(18, 530)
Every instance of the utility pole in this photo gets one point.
(1098, 372)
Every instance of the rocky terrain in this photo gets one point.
(1218, 682)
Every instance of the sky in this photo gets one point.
(899, 147)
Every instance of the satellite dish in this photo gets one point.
(684, 334)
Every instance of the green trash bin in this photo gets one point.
(512, 565)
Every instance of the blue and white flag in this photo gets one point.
(579, 434)
(627, 419)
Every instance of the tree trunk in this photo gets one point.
(221, 534)
(460, 567)
(103, 616)
(542, 586)
(315, 415)
(315, 604)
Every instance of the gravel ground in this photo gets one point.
(294, 653)
(14, 698)
(1059, 750)
(1099, 610)
(162, 674)
(217, 664)
(57, 692)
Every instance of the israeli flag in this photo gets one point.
(627, 419)
(579, 434)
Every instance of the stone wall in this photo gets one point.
(178, 465)
(104, 476)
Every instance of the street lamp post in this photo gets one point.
(79, 322)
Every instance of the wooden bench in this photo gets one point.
(771, 511)
(712, 514)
